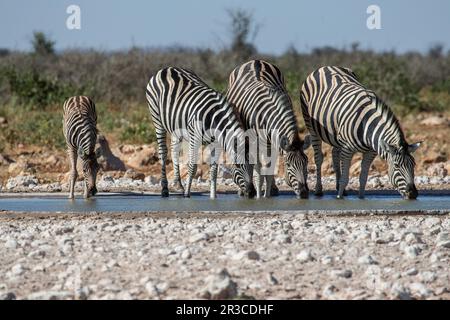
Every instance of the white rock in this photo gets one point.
(11, 244)
(304, 256)
(420, 289)
(411, 251)
(428, 276)
(327, 260)
(220, 286)
(367, 259)
(17, 270)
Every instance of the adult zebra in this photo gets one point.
(258, 91)
(183, 105)
(80, 131)
(339, 110)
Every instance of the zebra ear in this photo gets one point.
(413, 147)
(307, 142)
(284, 143)
(387, 148)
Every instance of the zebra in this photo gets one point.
(80, 132)
(183, 105)
(257, 90)
(340, 111)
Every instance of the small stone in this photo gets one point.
(329, 291)
(304, 256)
(327, 260)
(271, 279)
(186, 254)
(411, 252)
(252, 255)
(428, 276)
(64, 230)
(420, 289)
(220, 286)
(7, 296)
(411, 272)
(11, 244)
(400, 292)
(17, 270)
(443, 240)
(199, 237)
(367, 259)
(151, 289)
(342, 273)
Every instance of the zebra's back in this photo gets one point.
(338, 108)
(257, 90)
(79, 123)
(177, 97)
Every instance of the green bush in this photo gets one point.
(33, 89)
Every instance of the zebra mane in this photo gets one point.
(387, 113)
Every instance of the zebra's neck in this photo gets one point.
(387, 130)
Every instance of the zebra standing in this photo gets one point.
(79, 127)
(183, 105)
(258, 92)
(340, 111)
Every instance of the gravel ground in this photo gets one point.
(171, 256)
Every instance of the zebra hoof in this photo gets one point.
(318, 193)
(165, 193)
(187, 195)
(339, 197)
(274, 191)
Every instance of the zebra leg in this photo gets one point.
(336, 156)
(346, 160)
(73, 156)
(213, 180)
(162, 150)
(258, 180)
(318, 159)
(269, 183)
(274, 191)
(176, 163)
(367, 160)
(192, 165)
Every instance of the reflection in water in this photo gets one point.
(224, 202)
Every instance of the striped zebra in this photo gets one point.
(79, 127)
(340, 111)
(183, 105)
(257, 90)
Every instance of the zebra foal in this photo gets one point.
(340, 111)
(80, 132)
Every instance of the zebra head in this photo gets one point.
(401, 168)
(243, 177)
(90, 169)
(296, 165)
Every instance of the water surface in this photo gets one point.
(123, 202)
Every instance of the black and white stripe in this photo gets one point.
(183, 105)
(79, 127)
(258, 91)
(340, 111)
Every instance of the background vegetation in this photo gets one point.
(33, 85)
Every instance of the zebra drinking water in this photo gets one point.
(79, 127)
(183, 105)
(339, 110)
(258, 92)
